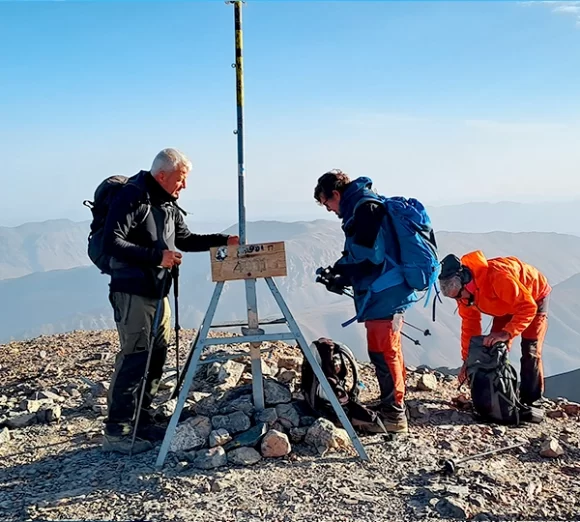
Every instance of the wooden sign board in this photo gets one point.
(248, 261)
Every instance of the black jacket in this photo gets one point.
(365, 228)
(142, 221)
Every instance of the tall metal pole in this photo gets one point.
(240, 112)
(251, 297)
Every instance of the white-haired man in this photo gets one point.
(143, 231)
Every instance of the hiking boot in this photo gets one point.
(394, 418)
(367, 427)
(151, 432)
(122, 444)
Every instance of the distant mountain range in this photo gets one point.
(59, 244)
(39, 247)
(555, 216)
(53, 245)
(53, 301)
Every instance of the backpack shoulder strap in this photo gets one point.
(140, 197)
(346, 353)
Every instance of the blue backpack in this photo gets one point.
(419, 265)
(417, 245)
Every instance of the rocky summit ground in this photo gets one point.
(52, 468)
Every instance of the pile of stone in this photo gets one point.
(226, 428)
(17, 412)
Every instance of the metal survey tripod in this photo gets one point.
(333, 283)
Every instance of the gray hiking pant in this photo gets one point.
(134, 319)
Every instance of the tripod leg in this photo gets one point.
(295, 329)
(196, 349)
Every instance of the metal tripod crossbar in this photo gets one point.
(248, 262)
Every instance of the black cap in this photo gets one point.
(450, 266)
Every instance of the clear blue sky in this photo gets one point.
(447, 101)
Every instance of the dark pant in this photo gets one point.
(531, 369)
(386, 353)
(134, 319)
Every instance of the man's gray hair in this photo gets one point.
(169, 160)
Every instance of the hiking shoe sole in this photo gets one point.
(396, 427)
(123, 445)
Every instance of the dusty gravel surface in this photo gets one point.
(55, 470)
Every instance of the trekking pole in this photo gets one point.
(175, 275)
(425, 332)
(349, 293)
(449, 466)
(415, 341)
(153, 334)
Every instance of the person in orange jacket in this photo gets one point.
(515, 294)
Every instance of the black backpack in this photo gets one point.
(336, 359)
(494, 385)
(105, 193)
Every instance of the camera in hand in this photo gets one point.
(333, 282)
(324, 275)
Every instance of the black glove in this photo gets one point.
(324, 275)
(337, 284)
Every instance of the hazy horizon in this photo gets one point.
(264, 210)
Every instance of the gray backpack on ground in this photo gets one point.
(494, 385)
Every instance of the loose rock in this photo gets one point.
(551, 449)
(229, 374)
(249, 438)
(191, 434)
(234, 422)
(4, 436)
(210, 458)
(325, 436)
(290, 363)
(287, 415)
(427, 382)
(275, 444)
(276, 393)
(268, 415)
(219, 437)
(244, 456)
(21, 421)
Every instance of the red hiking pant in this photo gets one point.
(386, 353)
(531, 368)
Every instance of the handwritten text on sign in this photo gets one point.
(248, 261)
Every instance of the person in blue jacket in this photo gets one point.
(370, 246)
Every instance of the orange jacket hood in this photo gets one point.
(503, 286)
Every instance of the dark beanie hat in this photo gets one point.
(450, 266)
